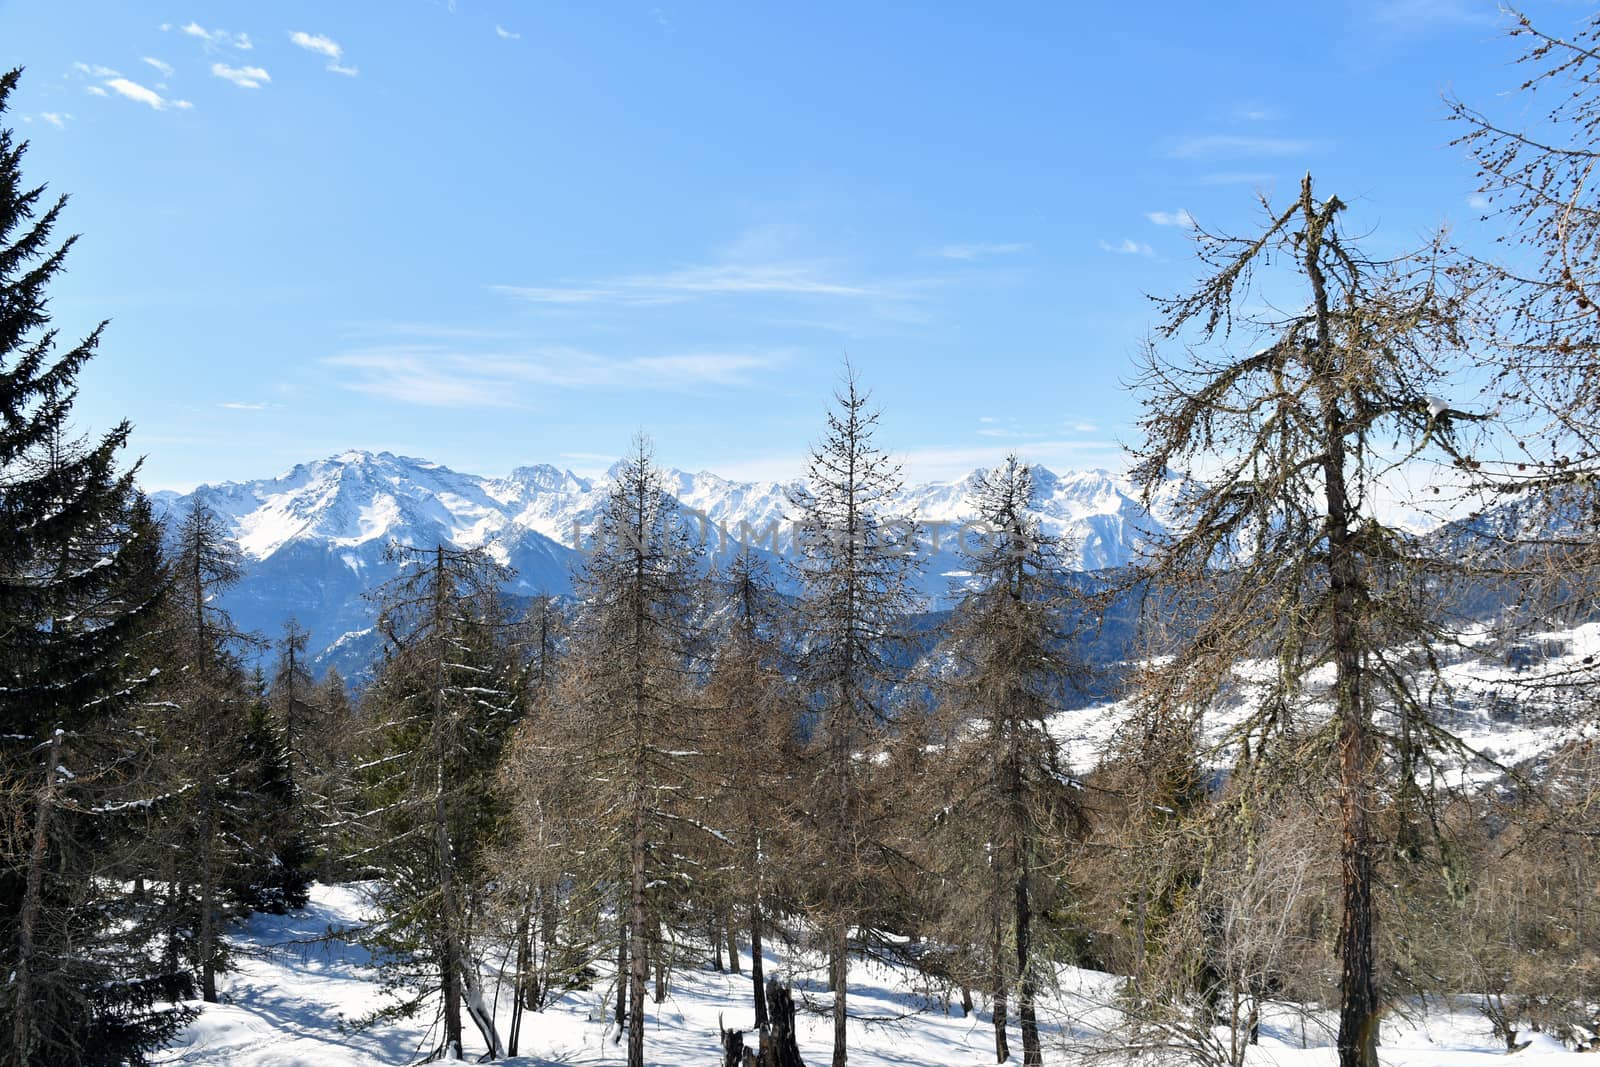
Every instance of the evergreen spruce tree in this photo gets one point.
(274, 872)
(439, 710)
(205, 706)
(76, 990)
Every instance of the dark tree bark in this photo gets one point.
(757, 965)
(779, 1048)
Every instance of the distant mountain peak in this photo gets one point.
(314, 536)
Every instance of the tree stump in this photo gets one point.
(778, 1045)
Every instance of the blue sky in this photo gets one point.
(494, 234)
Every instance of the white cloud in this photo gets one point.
(785, 279)
(94, 90)
(326, 47)
(505, 34)
(95, 70)
(132, 90)
(163, 67)
(423, 382)
(241, 41)
(435, 376)
(56, 119)
(243, 77)
(978, 251)
(316, 42)
(1478, 202)
(1179, 217)
(1218, 146)
(242, 405)
(1126, 247)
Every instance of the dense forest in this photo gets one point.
(688, 759)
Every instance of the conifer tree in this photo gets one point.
(71, 611)
(854, 563)
(1008, 806)
(753, 708)
(274, 871)
(631, 717)
(206, 703)
(440, 710)
(1281, 552)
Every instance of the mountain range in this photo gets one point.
(313, 538)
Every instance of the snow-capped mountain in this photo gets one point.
(314, 537)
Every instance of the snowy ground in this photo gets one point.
(286, 1002)
(1510, 712)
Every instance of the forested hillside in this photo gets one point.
(1278, 747)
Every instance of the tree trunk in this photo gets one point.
(549, 927)
(1031, 1054)
(523, 976)
(838, 978)
(758, 988)
(23, 1025)
(623, 937)
(206, 948)
(481, 1012)
(779, 1047)
(997, 990)
(1358, 999)
(658, 960)
(451, 963)
(638, 947)
(733, 941)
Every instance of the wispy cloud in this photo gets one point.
(783, 279)
(324, 46)
(164, 67)
(94, 90)
(978, 250)
(1478, 202)
(505, 34)
(243, 405)
(132, 90)
(94, 70)
(436, 376)
(422, 382)
(216, 38)
(243, 77)
(1126, 247)
(55, 118)
(1226, 146)
(1252, 113)
(1179, 218)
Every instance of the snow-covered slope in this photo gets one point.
(314, 537)
(287, 1004)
